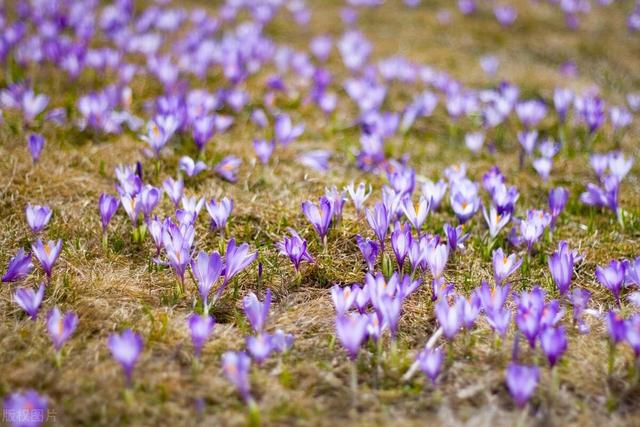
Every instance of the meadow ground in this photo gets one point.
(117, 287)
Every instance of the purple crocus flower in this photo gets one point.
(126, 348)
(260, 347)
(579, 299)
(264, 149)
(450, 317)
(201, 328)
(29, 300)
(434, 192)
(219, 212)
(632, 333)
(378, 219)
(174, 189)
(557, 201)
(505, 15)
(416, 217)
(632, 276)
(504, 266)
(227, 169)
(616, 326)
(522, 381)
(530, 311)
(553, 341)
(319, 216)
(47, 254)
(28, 409)
(343, 298)
(295, 247)
(60, 327)
(430, 362)
(495, 221)
(315, 159)
(107, 206)
(351, 330)
(562, 98)
(206, 270)
(612, 277)
(37, 217)
(281, 341)
(455, 237)
(590, 109)
(527, 140)
(237, 258)
(284, 130)
(369, 249)
(437, 257)
(499, 320)
(256, 311)
(401, 242)
(464, 199)
(35, 142)
(19, 267)
(531, 112)
(236, 366)
(150, 196)
(561, 267)
(191, 167)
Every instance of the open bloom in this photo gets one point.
(47, 254)
(174, 189)
(495, 221)
(256, 311)
(27, 409)
(504, 266)
(37, 217)
(260, 346)
(191, 167)
(219, 212)
(430, 362)
(416, 217)
(319, 216)
(126, 348)
(60, 327)
(29, 300)
(295, 247)
(343, 298)
(206, 270)
(464, 199)
(351, 330)
(236, 366)
(612, 277)
(19, 267)
(201, 328)
(237, 258)
(522, 381)
(227, 169)
(358, 195)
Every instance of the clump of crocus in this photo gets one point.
(47, 254)
(612, 277)
(522, 381)
(206, 270)
(29, 300)
(126, 348)
(60, 328)
(26, 409)
(37, 217)
(295, 247)
(319, 216)
(201, 328)
(19, 267)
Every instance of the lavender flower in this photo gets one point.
(430, 362)
(369, 249)
(37, 217)
(236, 366)
(29, 300)
(260, 347)
(191, 167)
(47, 254)
(28, 409)
(264, 149)
(35, 142)
(378, 219)
(504, 266)
(557, 201)
(174, 189)
(219, 212)
(522, 381)
(284, 130)
(561, 267)
(612, 277)
(554, 343)
(416, 217)
(351, 330)
(60, 327)
(126, 348)
(295, 247)
(201, 328)
(319, 216)
(450, 317)
(206, 270)
(19, 267)
(256, 311)
(107, 206)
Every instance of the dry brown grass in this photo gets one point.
(114, 289)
